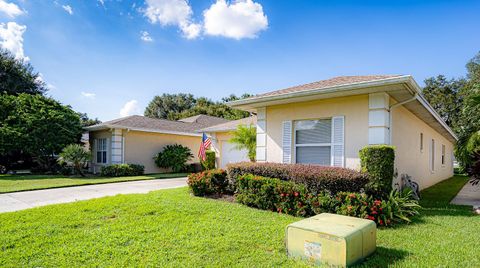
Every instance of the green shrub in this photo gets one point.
(378, 161)
(208, 182)
(209, 162)
(316, 179)
(75, 156)
(272, 194)
(174, 157)
(120, 170)
(291, 198)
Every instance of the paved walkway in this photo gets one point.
(37, 198)
(469, 195)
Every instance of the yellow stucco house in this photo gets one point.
(137, 139)
(329, 121)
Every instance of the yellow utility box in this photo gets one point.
(331, 239)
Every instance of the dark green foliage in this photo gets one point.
(17, 76)
(210, 160)
(446, 97)
(272, 194)
(178, 106)
(378, 161)
(76, 157)
(38, 126)
(316, 179)
(122, 170)
(208, 182)
(86, 121)
(174, 156)
(294, 199)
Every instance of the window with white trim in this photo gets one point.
(432, 155)
(313, 141)
(102, 151)
(443, 154)
(421, 142)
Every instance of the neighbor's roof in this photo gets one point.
(187, 126)
(323, 84)
(231, 125)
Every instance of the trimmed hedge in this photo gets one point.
(316, 179)
(209, 162)
(272, 194)
(208, 182)
(293, 199)
(378, 161)
(119, 170)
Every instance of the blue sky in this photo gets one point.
(97, 56)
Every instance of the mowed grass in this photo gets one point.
(15, 183)
(172, 228)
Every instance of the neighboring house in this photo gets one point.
(137, 139)
(225, 150)
(329, 121)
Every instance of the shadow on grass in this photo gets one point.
(383, 257)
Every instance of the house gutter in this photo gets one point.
(390, 114)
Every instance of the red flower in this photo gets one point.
(295, 194)
(351, 195)
(371, 218)
(374, 212)
(377, 202)
(380, 221)
(349, 207)
(282, 194)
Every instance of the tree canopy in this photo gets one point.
(177, 106)
(37, 125)
(18, 76)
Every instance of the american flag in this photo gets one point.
(206, 142)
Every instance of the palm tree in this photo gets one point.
(76, 156)
(245, 137)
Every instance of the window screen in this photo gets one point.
(313, 141)
(102, 151)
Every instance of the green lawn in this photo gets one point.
(172, 228)
(15, 183)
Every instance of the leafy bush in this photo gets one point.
(174, 156)
(209, 162)
(272, 194)
(208, 182)
(378, 161)
(316, 179)
(119, 170)
(291, 198)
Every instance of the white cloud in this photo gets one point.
(101, 2)
(68, 9)
(11, 38)
(172, 12)
(10, 9)
(145, 36)
(88, 95)
(240, 19)
(130, 108)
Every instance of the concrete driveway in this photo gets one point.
(37, 198)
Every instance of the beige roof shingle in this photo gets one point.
(332, 82)
(231, 125)
(187, 125)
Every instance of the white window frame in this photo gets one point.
(295, 145)
(97, 146)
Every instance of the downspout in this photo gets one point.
(390, 125)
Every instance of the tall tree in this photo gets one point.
(18, 76)
(177, 106)
(167, 105)
(37, 126)
(86, 121)
(446, 97)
